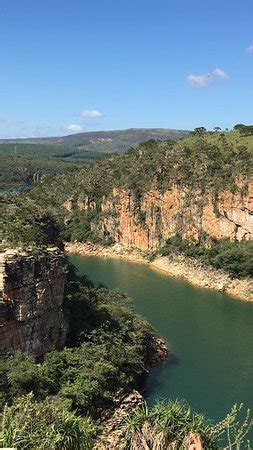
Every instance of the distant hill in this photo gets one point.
(22, 160)
(106, 141)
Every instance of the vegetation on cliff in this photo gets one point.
(233, 257)
(108, 352)
(59, 403)
(26, 223)
(207, 165)
(109, 349)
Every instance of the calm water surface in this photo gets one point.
(209, 333)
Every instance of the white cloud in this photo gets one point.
(199, 80)
(249, 49)
(74, 127)
(91, 113)
(220, 74)
(208, 78)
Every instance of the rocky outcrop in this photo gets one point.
(113, 429)
(31, 304)
(147, 223)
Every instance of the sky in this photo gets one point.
(83, 65)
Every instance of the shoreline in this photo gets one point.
(176, 266)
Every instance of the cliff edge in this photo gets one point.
(31, 301)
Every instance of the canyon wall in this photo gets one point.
(148, 222)
(31, 302)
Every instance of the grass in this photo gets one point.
(233, 137)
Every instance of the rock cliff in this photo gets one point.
(31, 304)
(146, 223)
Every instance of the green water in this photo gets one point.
(209, 333)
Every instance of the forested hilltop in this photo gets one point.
(188, 196)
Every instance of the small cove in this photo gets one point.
(209, 333)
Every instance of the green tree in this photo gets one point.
(239, 127)
(200, 131)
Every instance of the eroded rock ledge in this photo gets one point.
(180, 266)
(31, 301)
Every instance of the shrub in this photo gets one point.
(233, 257)
(28, 424)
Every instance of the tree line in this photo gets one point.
(246, 130)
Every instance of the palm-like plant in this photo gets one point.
(173, 425)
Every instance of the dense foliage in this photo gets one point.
(246, 130)
(109, 349)
(234, 257)
(26, 223)
(208, 164)
(25, 164)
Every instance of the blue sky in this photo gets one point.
(68, 66)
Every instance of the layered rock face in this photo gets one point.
(148, 222)
(31, 304)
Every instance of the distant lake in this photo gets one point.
(209, 333)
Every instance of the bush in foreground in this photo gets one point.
(173, 424)
(28, 424)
